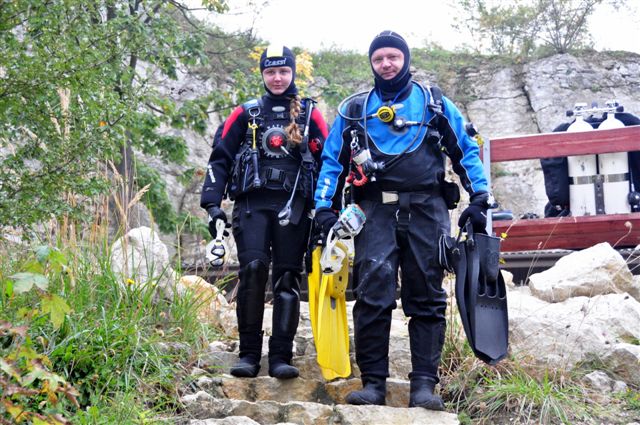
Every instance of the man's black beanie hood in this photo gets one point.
(400, 81)
(278, 55)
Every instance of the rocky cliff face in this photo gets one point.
(514, 100)
(533, 98)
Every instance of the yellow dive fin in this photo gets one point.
(313, 282)
(328, 312)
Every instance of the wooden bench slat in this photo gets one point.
(569, 232)
(549, 145)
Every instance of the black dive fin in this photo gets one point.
(461, 285)
(484, 305)
(491, 316)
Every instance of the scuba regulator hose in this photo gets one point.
(386, 114)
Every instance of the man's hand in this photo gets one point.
(325, 219)
(476, 212)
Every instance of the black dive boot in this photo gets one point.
(250, 351)
(421, 394)
(426, 337)
(374, 391)
(250, 310)
(280, 363)
(286, 313)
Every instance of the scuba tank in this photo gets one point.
(582, 170)
(614, 170)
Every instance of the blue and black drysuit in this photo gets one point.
(405, 215)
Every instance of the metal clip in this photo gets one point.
(389, 197)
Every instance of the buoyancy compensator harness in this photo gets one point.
(268, 160)
(363, 167)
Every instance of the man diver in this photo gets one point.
(389, 144)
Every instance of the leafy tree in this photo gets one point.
(508, 29)
(564, 26)
(520, 27)
(345, 72)
(76, 92)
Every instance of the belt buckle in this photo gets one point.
(389, 197)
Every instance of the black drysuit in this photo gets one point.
(260, 239)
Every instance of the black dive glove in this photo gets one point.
(476, 212)
(325, 219)
(215, 214)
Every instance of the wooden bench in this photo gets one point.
(564, 232)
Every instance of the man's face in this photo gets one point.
(277, 79)
(387, 62)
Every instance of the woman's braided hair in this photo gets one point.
(293, 130)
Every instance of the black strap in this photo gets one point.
(283, 178)
(307, 157)
(354, 108)
(435, 104)
(435, 127)
(404, 212)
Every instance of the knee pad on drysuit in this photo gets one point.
(250, 300)
(286, 306)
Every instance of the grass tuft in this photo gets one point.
(124, 349)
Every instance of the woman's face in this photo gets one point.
(277, 79)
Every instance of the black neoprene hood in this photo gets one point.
(400, 81)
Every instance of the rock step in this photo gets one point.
(263, 388)
(206, 409)
(223, 354)
(220, 362)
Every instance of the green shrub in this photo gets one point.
(119, 351)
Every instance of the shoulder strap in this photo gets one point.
(305, 109)
(355, 107)
(435, 99)
(435, 128)
(307, 157)
(252, 104)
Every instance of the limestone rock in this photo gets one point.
(209, 300)
(231, 420)
(599, 381)
(597, 270)
(204, 406)
(141, 258)
(624, 361)
(266, 388)
(577, 329)
(367, 415)
(634, 288)
(603, 384)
